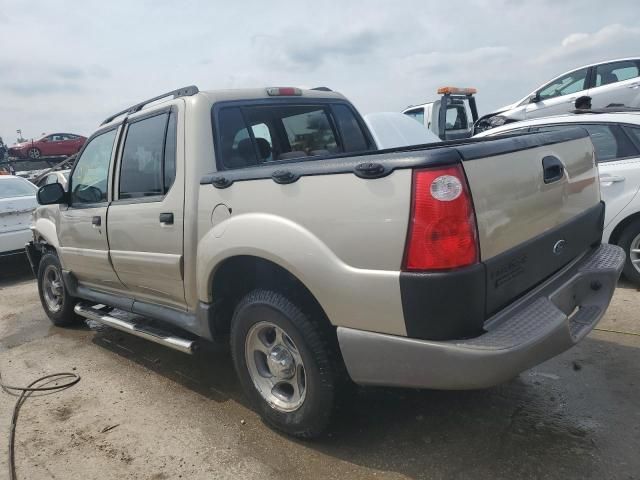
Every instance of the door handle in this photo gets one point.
(611, 179)
(633, 85)
(552, 169)
(96, 221)
(166, 218)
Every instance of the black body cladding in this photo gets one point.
(455, 304)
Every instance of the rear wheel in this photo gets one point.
(282, 358)
(630, 241)
(55, 298)
(34, 153)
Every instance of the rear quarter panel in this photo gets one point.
(340, 235)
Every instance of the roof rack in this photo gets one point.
(180, 92)
(615, 109)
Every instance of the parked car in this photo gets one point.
(56, 144)
(610, 82)
(17, 203)
(267, 218)
(616, 138)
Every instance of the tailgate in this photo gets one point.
(537, 202)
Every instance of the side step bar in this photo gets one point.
(129, 325)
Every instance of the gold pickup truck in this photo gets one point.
(269, 220)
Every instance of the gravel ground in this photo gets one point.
(142, 411)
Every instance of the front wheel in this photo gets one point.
(55, 299)
(630, 241)
(34, 153)
(282, 358)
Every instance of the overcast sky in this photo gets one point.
(64, 66)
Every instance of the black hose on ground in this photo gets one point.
(26, 392)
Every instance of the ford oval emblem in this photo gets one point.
(559, 246)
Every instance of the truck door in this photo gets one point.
(82, 232)
(145, 223)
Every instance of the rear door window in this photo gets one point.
(147, 168)
(615, 72)
(255, 134)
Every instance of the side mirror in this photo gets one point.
(51, 194)
(535, 98)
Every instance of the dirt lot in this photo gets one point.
(144, 412)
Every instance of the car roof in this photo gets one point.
(614, 117)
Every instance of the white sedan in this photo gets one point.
(606, 83)
(17, 202)
(616, 139)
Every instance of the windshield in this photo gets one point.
(16, 187)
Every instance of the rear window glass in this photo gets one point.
(252, 135)
(15, 187)
(352, 135)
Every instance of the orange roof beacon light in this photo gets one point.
(457, 91)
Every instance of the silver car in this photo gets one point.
(612, 82)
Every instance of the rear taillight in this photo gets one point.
(442, 228)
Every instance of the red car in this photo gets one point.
(53, 145)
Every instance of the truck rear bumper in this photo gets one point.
(547, 321)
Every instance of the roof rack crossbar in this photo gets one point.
(180, 92)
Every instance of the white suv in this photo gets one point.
(614, 81)
(616, 138)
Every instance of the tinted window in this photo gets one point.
(615, 72)
(170, 153)
(634, 132)
(89, 180)
(571, 83)
(263, 140)
(236, 148)
(308, 131)
(353, 138)
(251, 135)
(16, 187)
(417, 115)
(141, 165)
(608, 141)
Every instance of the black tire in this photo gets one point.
(34, 153)
(625, 240)
(313, 342)
(64, 316)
